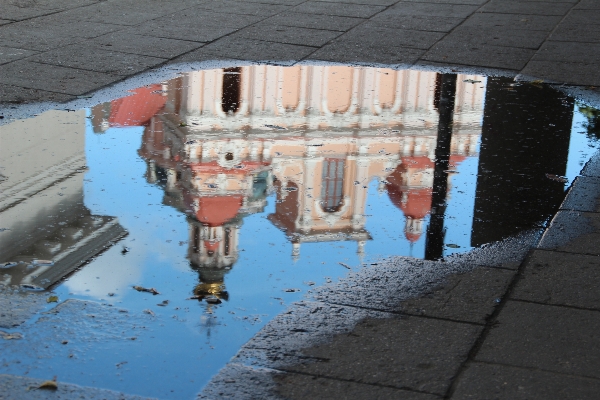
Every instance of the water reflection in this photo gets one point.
(239, 186)
(221, 141)
(47, 231)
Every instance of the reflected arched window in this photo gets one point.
(332, 184)
(232, 89)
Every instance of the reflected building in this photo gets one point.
(315, 135)
(47, 231)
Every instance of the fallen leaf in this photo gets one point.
(47, 385)
(344, 265)
(52, 299)
(143, 289)
(10, 336)
(557, 178)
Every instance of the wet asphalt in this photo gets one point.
(515, 320)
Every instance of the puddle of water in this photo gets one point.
(233, 191)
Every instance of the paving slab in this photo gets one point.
(415, 22)
(8, 54)
(468, 297)
(585, 74)
(17, 306)
(21, 387)
(586, 33)
(490, 381)
(573, 232)
(348, 10)
(15, 13)
(407, 353)
(368, 2)
(469, 2)
(243, 7)
(127, 42)
(526, 8)
(197, 25)
(582, 17)
(375, 44)
(516, 21)
(456, 52)
(10, 94)
(54, 78)
(584, 195)
(497, 36)
(551, 338)
(298, 386)
(588, 5)
(288, 34)
(315, 21)
(256, 50)
(431, 9)
(560, 279)
(569, 52)
(592, 167)
(46, 33)
(95, 59)
(5, 21)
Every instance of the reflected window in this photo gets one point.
(227, 240)
(332, 184)
(232, 89)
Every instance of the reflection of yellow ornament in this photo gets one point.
(216, 289)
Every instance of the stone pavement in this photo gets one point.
(59, 49)
(524, 329)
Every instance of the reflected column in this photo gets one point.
(434, 244)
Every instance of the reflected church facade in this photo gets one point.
(220, 141)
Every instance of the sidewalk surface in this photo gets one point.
(523, 330)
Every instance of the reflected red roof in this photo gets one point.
(137, 109)
(417, 202)
(217, 210)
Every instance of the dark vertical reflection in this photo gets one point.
(525, 135)
(231, 89)
(434, 244)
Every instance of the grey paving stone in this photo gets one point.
(554, 71)
(94, 59)
(204, 27)
(54, 78)
(200, 55)
(584, 195)
(515, 21)
(5, 21)
(582, 17)
(348, 10)
(124, 14)
(551, 338)
(561, 279)
(489, 381)
(10, 94)
(569, 52)
(14, 13)
(372, 34)
(21, 387)
(497, 36)
(522, 7)
(256, 50)
(285, 2)
(237, 381)
(46, 33)
(432, 9)
(573, 232)
(479, 55)
(576, 33)
(369, 2)
(288, 34)
(53, 4)
(417, 353)
(592, 167)
(315, 21)
(297, 386)
(471, 2)
(142, 44)
(8, 54)
(243, 7)
(415, 22)
(369, 50)
(588, 5)
(469, 297)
